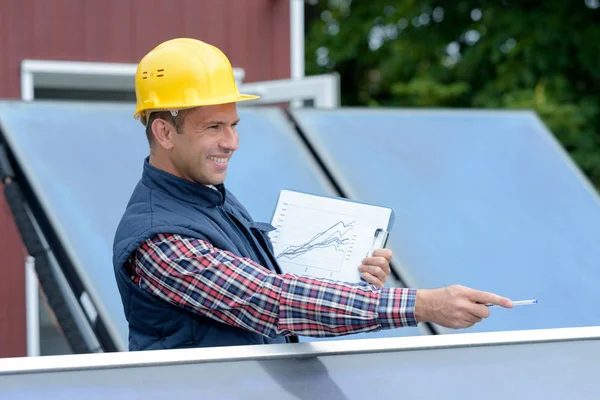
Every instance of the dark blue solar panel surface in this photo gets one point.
(484, 199)
(83, 161)
(562, 370)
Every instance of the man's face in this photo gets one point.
(201, 151)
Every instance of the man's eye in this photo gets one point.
(213, 127)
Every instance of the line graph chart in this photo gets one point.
(319, 244)
(324, 237)
(336, 236)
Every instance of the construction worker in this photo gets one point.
(192, 266)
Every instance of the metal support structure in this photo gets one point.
(32, 301)
(77, 311)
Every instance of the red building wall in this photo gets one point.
(255, 35)
(13, 333)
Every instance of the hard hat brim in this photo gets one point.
(212, 102)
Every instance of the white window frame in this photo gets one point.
(82, 75)
(323, 90)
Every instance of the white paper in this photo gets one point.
(324, 237)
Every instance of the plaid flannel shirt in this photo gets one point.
(217, 284)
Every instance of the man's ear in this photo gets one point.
(163, 133)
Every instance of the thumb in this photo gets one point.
(385, 253)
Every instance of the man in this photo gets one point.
(192, 266)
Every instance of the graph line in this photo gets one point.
(334, 236)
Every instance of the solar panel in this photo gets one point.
(83, 160)
(399, 367)
(486, 199)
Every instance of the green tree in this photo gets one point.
(518, 54)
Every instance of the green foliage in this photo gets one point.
(543, 56)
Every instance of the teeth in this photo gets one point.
(219, 160)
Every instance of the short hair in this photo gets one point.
(177, 121)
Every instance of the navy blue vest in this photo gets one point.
(163, 203)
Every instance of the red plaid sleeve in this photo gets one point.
(196, 276)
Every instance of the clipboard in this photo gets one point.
(327, 237)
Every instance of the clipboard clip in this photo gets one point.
(379, 240)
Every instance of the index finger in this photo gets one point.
(489, 298)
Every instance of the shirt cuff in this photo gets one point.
(397, 308)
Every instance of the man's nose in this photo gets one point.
(230, 139)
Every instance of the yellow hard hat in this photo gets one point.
(184, 73)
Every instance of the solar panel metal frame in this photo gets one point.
(65, 363)
(281, 363)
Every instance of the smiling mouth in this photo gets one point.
(219, 159)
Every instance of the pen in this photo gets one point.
(377, 231)
(518, 303)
